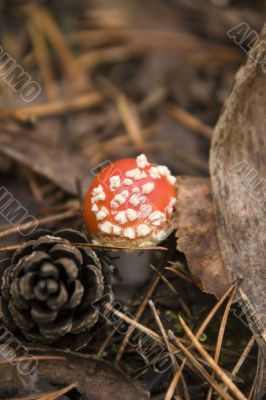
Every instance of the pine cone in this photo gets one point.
(48, 289)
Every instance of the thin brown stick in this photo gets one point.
(189, 121)
(172, 387)
(43, 59)
(107, 246)
(201, 329)
(189, 356)
(32, 182)
(214, 311)
(168, 346)
(18, 116)
(9, 248)
(221, 334)
(31, 397)
(131, 120)
(173, 290)
(243, 357)
(88, 61)
(47, 396)
(148, 40)
(163, 332)
(106, 343)
(222, 375)
(91, 245)
(39, 358)
(42, 221)
(181, 274)
(58, 107)
(128, 112)
(68, 62)
(58, 393)
(158, 338)
(250, 395)
(152, 287)
(136, 324)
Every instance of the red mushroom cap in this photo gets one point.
(130, 203)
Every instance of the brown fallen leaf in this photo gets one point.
(196, 234)
(238, 172)
(55, 163)
(94, 379)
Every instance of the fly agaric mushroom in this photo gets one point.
(130, 203)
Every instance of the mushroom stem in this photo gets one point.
(132, 272)
(133, 269)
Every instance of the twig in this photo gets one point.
(141, 41)
(221, 334)
(42, 221)
(172, 387)
(58, 393)
(105, 343)
(152, 287)
(48, 396)
(157, 338)
(88, 61)
(91, 245)
(16, 115)
(198, 366)
(33, 184)
(190, 121)
(127, 111)
(223, 376)
(42, 56)
(243, 357)
(107, 246)
(39, 358)
(201, 329)
(179, 272)
(9, 248)
(69, 65)
(168, 346)
(250, 396)
(163, 333)
(58, 107)
(173, 290)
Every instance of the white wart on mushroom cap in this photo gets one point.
(130, 203)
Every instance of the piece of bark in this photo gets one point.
(95, 379)
(238, 173)
(196, 234)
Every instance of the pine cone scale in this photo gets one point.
(18, 299)
(60, 328)
(76, 296)
(40, 314)
(62, 250)
(49, 270)
(56, 302)
(94, 285)
(29, 263)
(86, 320)
(25, 284)
(21, 317)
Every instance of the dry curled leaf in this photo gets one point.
(54, 162)
(94, 379)
(238, 161)
(196, 234)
